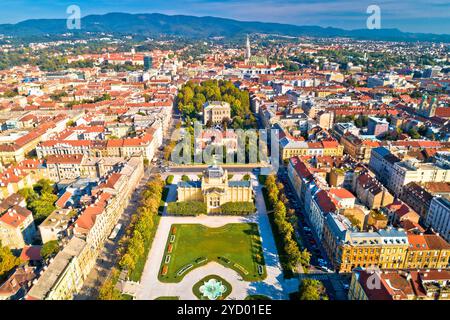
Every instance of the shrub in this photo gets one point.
(186, 208)
(238, 208)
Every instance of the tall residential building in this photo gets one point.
(377, 126)
(438, 216)
(148, 63)
(349, 248)
(65, 275)
(17, 227)
(428, 251)
(395, 174)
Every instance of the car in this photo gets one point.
(256, 170)
(306, 229)
(324, 268)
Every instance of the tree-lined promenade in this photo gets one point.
(136, 243)
(282, 224)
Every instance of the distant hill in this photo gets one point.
(199, 27)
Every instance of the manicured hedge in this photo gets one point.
(238, 208)
(186, 208)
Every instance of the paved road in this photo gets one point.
(274, 285)
(333, 281)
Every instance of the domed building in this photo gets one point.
(215, 189)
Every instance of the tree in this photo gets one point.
(127, 262)
(7, 260)
(311, 289)
(280, 210)
(185, 178)
(291, 249)
(109, 292)
(43, 186)
(50, 249)
(71, 123)
(305, 258)
(413, 133)
(169, 179)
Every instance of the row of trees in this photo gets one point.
(139, 232)
(40, 199)
(284, 220)
(137, 239)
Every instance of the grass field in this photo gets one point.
(236, 246)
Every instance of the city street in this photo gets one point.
(334, 282)
(108, 256)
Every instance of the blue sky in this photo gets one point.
(407, 15)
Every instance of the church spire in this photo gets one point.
(248, 51)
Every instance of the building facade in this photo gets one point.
(216, 111)
(215, 189)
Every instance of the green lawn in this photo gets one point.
(236, 246)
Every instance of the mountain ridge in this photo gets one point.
(151, 24)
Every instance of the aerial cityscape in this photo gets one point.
(183, 156)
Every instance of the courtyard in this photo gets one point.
(236, 246)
